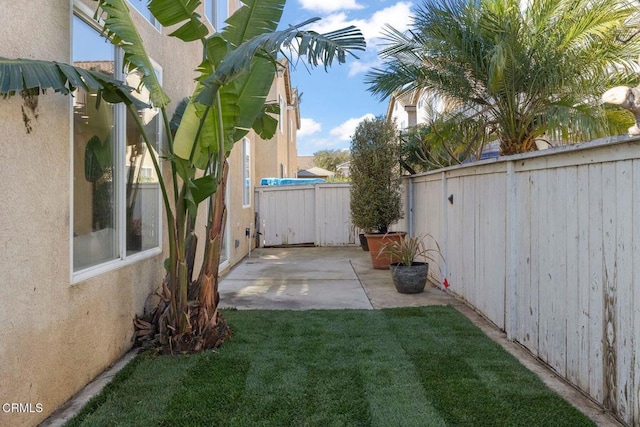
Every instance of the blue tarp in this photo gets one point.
(290, 181)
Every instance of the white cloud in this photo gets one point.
(357, 67)
(306, 147)
(372, 27)
(344, 131)
(308, 127)
(398, 16)
(329, 6)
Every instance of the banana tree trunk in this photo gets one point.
(209, 325)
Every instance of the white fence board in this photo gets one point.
(634, 386)
(333, 216)
(624, 286)
(572, 294)
(295, 215)
(596, 303)
(583, 218)
(575, 285)
(525, 332)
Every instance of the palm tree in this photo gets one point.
(235, 75)
(529, 69)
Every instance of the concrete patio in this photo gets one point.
(304, 278)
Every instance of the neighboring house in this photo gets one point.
(278, 156)
(343, 169)
(81, 223)
(306, 162)
(316, 172)
(412, 109)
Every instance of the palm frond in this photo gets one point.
(119, 27)
(36, 77)
(318, 48)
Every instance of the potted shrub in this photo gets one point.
(375, 184)
(410, 272)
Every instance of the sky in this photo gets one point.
(334, 102)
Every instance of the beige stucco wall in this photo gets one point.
(56, 336)
(278, 156)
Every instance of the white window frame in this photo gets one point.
(246, 173)
(213, 16)
(150, 19)
(84, 13)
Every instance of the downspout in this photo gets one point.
(410, 214)
(445, 225)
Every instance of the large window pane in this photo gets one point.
(142, 188)
(246, 172)
(222, 14)
(116, 194)
(94, 182)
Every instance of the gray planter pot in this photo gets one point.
(409, 280)
(363, 242)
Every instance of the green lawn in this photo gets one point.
(427, 366)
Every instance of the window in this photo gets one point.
(141, 6)
(116, 197)
(282, 111)
(216, 12)
(246, 172)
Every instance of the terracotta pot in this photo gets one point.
(375, 242)
(409, 279)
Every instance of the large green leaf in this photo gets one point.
(265, 125)
(187, 134)
(197, 117)
(255, 17)
(203, 187)
(172, 12)
(35, 76)
(253, 90)
(119, 27)
(97, 158)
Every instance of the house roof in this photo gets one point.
(315, 172)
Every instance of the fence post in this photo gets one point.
(510, 294)
(316, 207)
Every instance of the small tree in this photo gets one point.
(330, 159)
(375, 176)
(529, 69)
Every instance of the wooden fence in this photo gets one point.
(311, 214)
(547, 246)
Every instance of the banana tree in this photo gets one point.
(235, 75)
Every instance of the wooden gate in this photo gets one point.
(305, 215)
